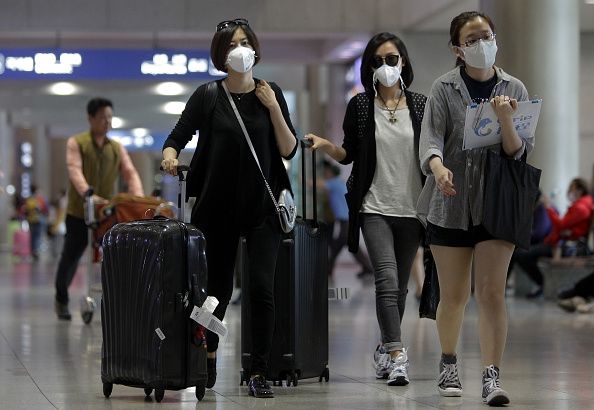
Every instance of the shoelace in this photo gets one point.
(384, 361)
(491, 379)
(449, 376)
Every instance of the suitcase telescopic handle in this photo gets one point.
(304, 145)
(182, 171)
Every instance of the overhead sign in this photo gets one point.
(104, 64)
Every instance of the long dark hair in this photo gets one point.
(366, 69)
(459, 21)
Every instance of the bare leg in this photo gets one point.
(453, 270)
(491, 259)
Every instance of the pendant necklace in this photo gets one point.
(391, 112)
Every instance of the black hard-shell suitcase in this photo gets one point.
(153, 273)
(300, 341)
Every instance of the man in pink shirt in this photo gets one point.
(94, 161)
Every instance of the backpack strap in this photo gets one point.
(209, 100)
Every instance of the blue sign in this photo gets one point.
(106, 64)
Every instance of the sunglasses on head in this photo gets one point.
(237, 22)
(391, 60)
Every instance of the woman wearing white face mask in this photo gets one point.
(232, 199)
(381, 138)
(452, 199)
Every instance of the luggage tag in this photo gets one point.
(339, 293)
(204, 316)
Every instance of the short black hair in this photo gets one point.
(373, 44)
(96, 104)
(459, 21)
(219, 47)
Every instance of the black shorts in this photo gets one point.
(459, 238)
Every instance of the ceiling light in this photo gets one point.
(63, 88)
(117, 122)
(139, 132)
(169, 88)
(174, 107)
(589, 1)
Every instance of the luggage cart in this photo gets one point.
(88, 303)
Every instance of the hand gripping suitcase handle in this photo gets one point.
(304, 145)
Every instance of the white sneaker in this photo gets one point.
(381, 362)
(448, 382)
(399, 370)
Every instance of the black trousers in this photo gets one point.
(585, 287)
(262, 248)
(75, 243)
(528, 260)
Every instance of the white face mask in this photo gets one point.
(386, 75)
(480, 55)
(241, 59)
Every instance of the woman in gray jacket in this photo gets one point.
(452, 199)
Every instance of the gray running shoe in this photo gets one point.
(399, 370)
(381, 362)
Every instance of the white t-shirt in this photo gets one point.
(397, 182)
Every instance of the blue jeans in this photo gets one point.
(392, 243)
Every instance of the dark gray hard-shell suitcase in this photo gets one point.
(300, 341)
(153, 273)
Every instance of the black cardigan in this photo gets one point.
(223, 175)
(359, 144)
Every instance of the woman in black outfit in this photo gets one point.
(231, 197)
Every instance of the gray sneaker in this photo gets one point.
(448, 382)
(399, 370)
(381, 362)
(493, 394)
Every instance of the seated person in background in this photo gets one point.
(573, 226)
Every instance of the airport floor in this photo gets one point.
(49, 364)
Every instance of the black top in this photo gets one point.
(224, 176)
(480, 91)
(359, 144)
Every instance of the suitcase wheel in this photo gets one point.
(107, 389)
(159, 394)
(147, 391)
(200, 390)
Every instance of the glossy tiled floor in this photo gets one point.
(46, 364)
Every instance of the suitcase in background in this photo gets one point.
(300, 341)
(21, 241)
(153, 273)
